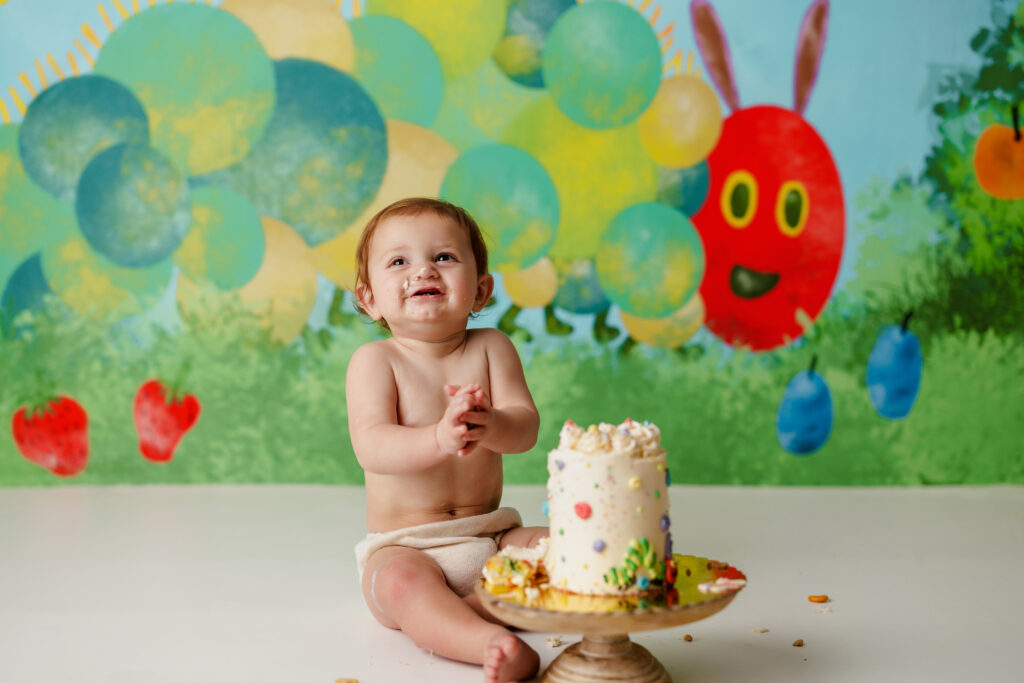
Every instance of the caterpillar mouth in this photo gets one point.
(747, 283)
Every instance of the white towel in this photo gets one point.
(460, 546)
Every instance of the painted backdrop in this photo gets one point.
(789, 233)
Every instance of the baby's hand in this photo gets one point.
(452, 430)
(474, 417)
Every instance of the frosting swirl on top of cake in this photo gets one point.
(631, 438)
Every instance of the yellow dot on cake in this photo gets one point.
(634, 482)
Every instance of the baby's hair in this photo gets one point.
(414, 206)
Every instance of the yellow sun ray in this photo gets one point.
(91, 35)
(55, 67)
(643, 5)
(667, 30)
(3, 111)
(27, 83)
(337, 4)
(42, 75)
(356, 10)
(106, 19)
(85, 53)
(135, 6)
(654, 17)
(120, 8)
(17, 100)
(667, 45)
(72, 63)
(676, 62)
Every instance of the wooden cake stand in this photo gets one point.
(606, 653)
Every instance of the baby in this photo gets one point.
(430, 411)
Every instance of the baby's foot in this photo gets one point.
(507, 658)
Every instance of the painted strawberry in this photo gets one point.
(54, 435)
(162, 417)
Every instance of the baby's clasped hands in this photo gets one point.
(464, 423)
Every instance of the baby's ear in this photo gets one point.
(484, 289)
(366, 301)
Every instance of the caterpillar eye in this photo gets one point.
(791, 208)
(739, 199)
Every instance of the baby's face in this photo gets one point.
(422, 275)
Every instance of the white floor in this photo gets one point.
(253, 584)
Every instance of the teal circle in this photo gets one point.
(399, 68)
(650, 261)
(133, 205)
(29, 217)
(579, 290)
(202, 76)
(73, 121)
(513, 199)
(684, 188)
(225, 243)
(26, 290)
(323, 158)
(602, 64)
(526, 32)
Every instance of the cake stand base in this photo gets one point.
(606, 658)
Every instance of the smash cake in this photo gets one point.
(610, 544)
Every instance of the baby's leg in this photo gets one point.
(524, 536)
(406, 589)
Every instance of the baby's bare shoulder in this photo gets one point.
(375, 354)
(489, 337)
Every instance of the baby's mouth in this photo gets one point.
(427, 292)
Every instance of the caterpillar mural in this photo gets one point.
(774, 225)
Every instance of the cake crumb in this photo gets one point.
(818, 598)
(688, 638)
(799, 642)
(554, 641)
(824, 610)
(760, 630)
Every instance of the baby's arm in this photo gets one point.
(383, 446)
(508, 423)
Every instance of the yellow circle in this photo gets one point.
(95, 287)
(669, 332)
(792, 191)
(597, 173)
(739, 199)
(464, 33)
(683, 122)
(308, 29)
(279, 297)
(418, 159)
(533, 286)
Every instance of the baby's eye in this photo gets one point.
(444, 257)
(399, 261)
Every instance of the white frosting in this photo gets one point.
(606, 484)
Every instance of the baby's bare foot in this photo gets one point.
(507, 658)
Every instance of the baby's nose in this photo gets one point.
(425, 272)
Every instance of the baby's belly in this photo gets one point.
(394, 502)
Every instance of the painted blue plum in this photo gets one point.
(894, 371)
(804, 421)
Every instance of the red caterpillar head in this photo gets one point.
(773, 221)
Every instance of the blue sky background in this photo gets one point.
(871, 102)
